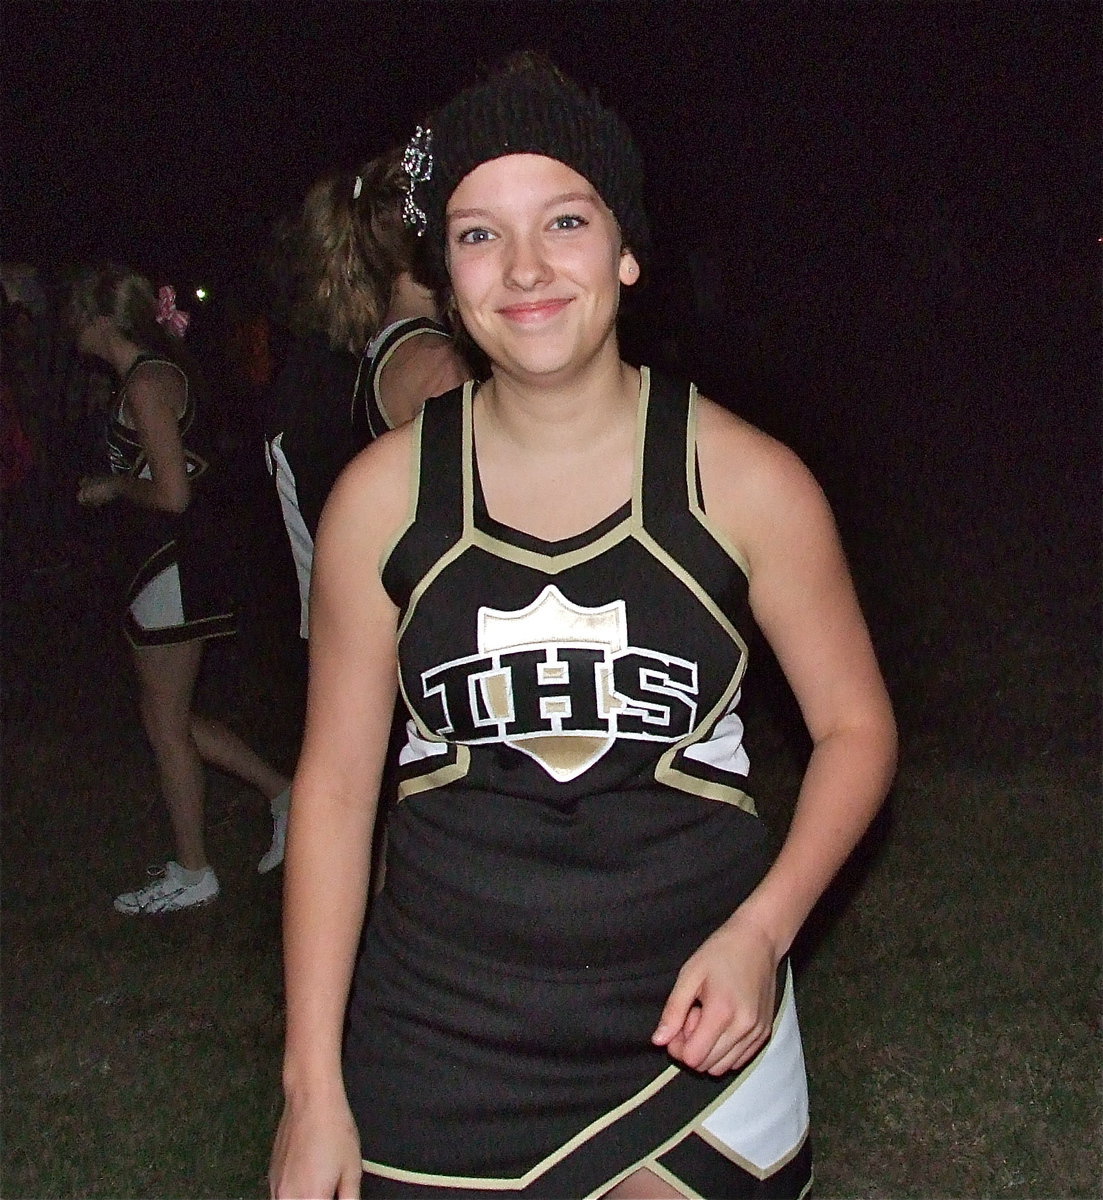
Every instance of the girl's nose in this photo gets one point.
(527, 266)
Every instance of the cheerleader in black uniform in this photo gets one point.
(368, 349)
(574, 982)
(167, 546)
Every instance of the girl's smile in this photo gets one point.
(533, 312)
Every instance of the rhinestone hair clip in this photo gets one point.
(417, 162)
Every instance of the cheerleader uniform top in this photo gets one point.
(308, 441)
(326, 407)
(574, 820)
(369, 414)
(175, 565)
(125, 453)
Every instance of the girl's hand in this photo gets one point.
(316, 1155)
(93, 491)
(720, 1011)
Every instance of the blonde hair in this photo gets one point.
(349, 246)
(127, 299)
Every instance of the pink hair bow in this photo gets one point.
(168, 314)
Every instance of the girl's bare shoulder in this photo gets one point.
(731, 447)
(751, 481)
(372, 496)
(420, 368)
(156, 381)
(383, 463)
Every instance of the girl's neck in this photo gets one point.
(120, 352)
(596, 402)
(409, 299)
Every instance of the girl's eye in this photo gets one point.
(568, 222)
(474, 237)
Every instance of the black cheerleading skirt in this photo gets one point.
(176, 572)
(469, 1075)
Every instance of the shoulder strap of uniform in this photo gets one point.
(437, 521)
(140, 361)
(401, 330)
(669, 458)
(440, 495)
(368, 409)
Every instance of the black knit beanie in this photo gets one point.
(529, 108)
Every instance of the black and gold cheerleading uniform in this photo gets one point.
(308, 441)
(573, 821)
(370, 418)
(174, 564)
(326, 407)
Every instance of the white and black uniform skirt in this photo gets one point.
(175, 568)
(176, 578)
(477, 1066)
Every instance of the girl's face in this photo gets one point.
(536, 265)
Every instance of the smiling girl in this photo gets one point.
(575, 980)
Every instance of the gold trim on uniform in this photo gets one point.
(648, 1163)
(696, 1125)
(693, 1126)
(440, 777)
(664, 1173)
(721, 1147)
(428, 579)
(553, 564)
(641, 442)
(695, 507)
(415, 491)
(478, 1183)
(410, 333)
(665, 772)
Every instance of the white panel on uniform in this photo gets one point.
(766, 1119)
(302, 544)
(159, 604)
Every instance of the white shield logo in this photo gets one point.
(552, 621)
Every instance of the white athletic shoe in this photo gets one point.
(273, 856)
(169, 891)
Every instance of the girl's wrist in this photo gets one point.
(776, 927)
(312, 1071)
(312, 1084)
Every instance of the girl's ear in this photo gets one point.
(629, 271)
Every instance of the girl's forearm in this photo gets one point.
(327, 841)
(847, 779)
(146, 494)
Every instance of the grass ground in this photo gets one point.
(949, 982)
